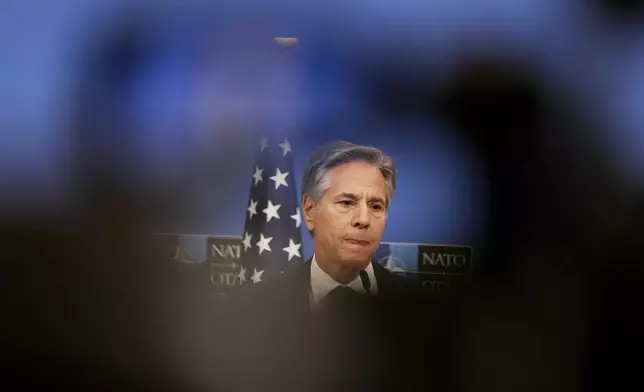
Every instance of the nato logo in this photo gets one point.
(187, 248)
(397, 257)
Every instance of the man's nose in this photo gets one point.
(362, 218)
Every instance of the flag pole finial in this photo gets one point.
(285, 42)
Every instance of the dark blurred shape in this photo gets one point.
(621, 10)
(560, 221)
(89, 295)
(102, 134)
(397, 94)
(501, 108)
(616, 298)
(617, 16)
(616, 331)
(119, 60)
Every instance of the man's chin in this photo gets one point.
(355, 261)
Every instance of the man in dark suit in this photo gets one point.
(338, 321)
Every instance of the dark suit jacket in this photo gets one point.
(268, 340)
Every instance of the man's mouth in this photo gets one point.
(357, 241)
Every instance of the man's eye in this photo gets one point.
(377, 207)
(346, 203)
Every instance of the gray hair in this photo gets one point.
(315, 180)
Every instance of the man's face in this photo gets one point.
(350, 218)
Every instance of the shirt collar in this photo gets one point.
(322, 283)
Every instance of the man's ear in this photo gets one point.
(308, 211)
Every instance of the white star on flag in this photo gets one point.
(292, 249)
(257, 176)
(257, 275)
(286, 146)
(252, 209)
(271, 211)
(263, 144)
(297, 218)
(263, 242)
(246, 241)
(279, 178)
(242, 274)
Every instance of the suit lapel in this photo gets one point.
(295, 289)
(383, 279)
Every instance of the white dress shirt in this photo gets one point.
(322, 283)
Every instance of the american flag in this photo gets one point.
(272, 240)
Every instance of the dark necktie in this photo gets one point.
(346, 309)
(341, 296)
